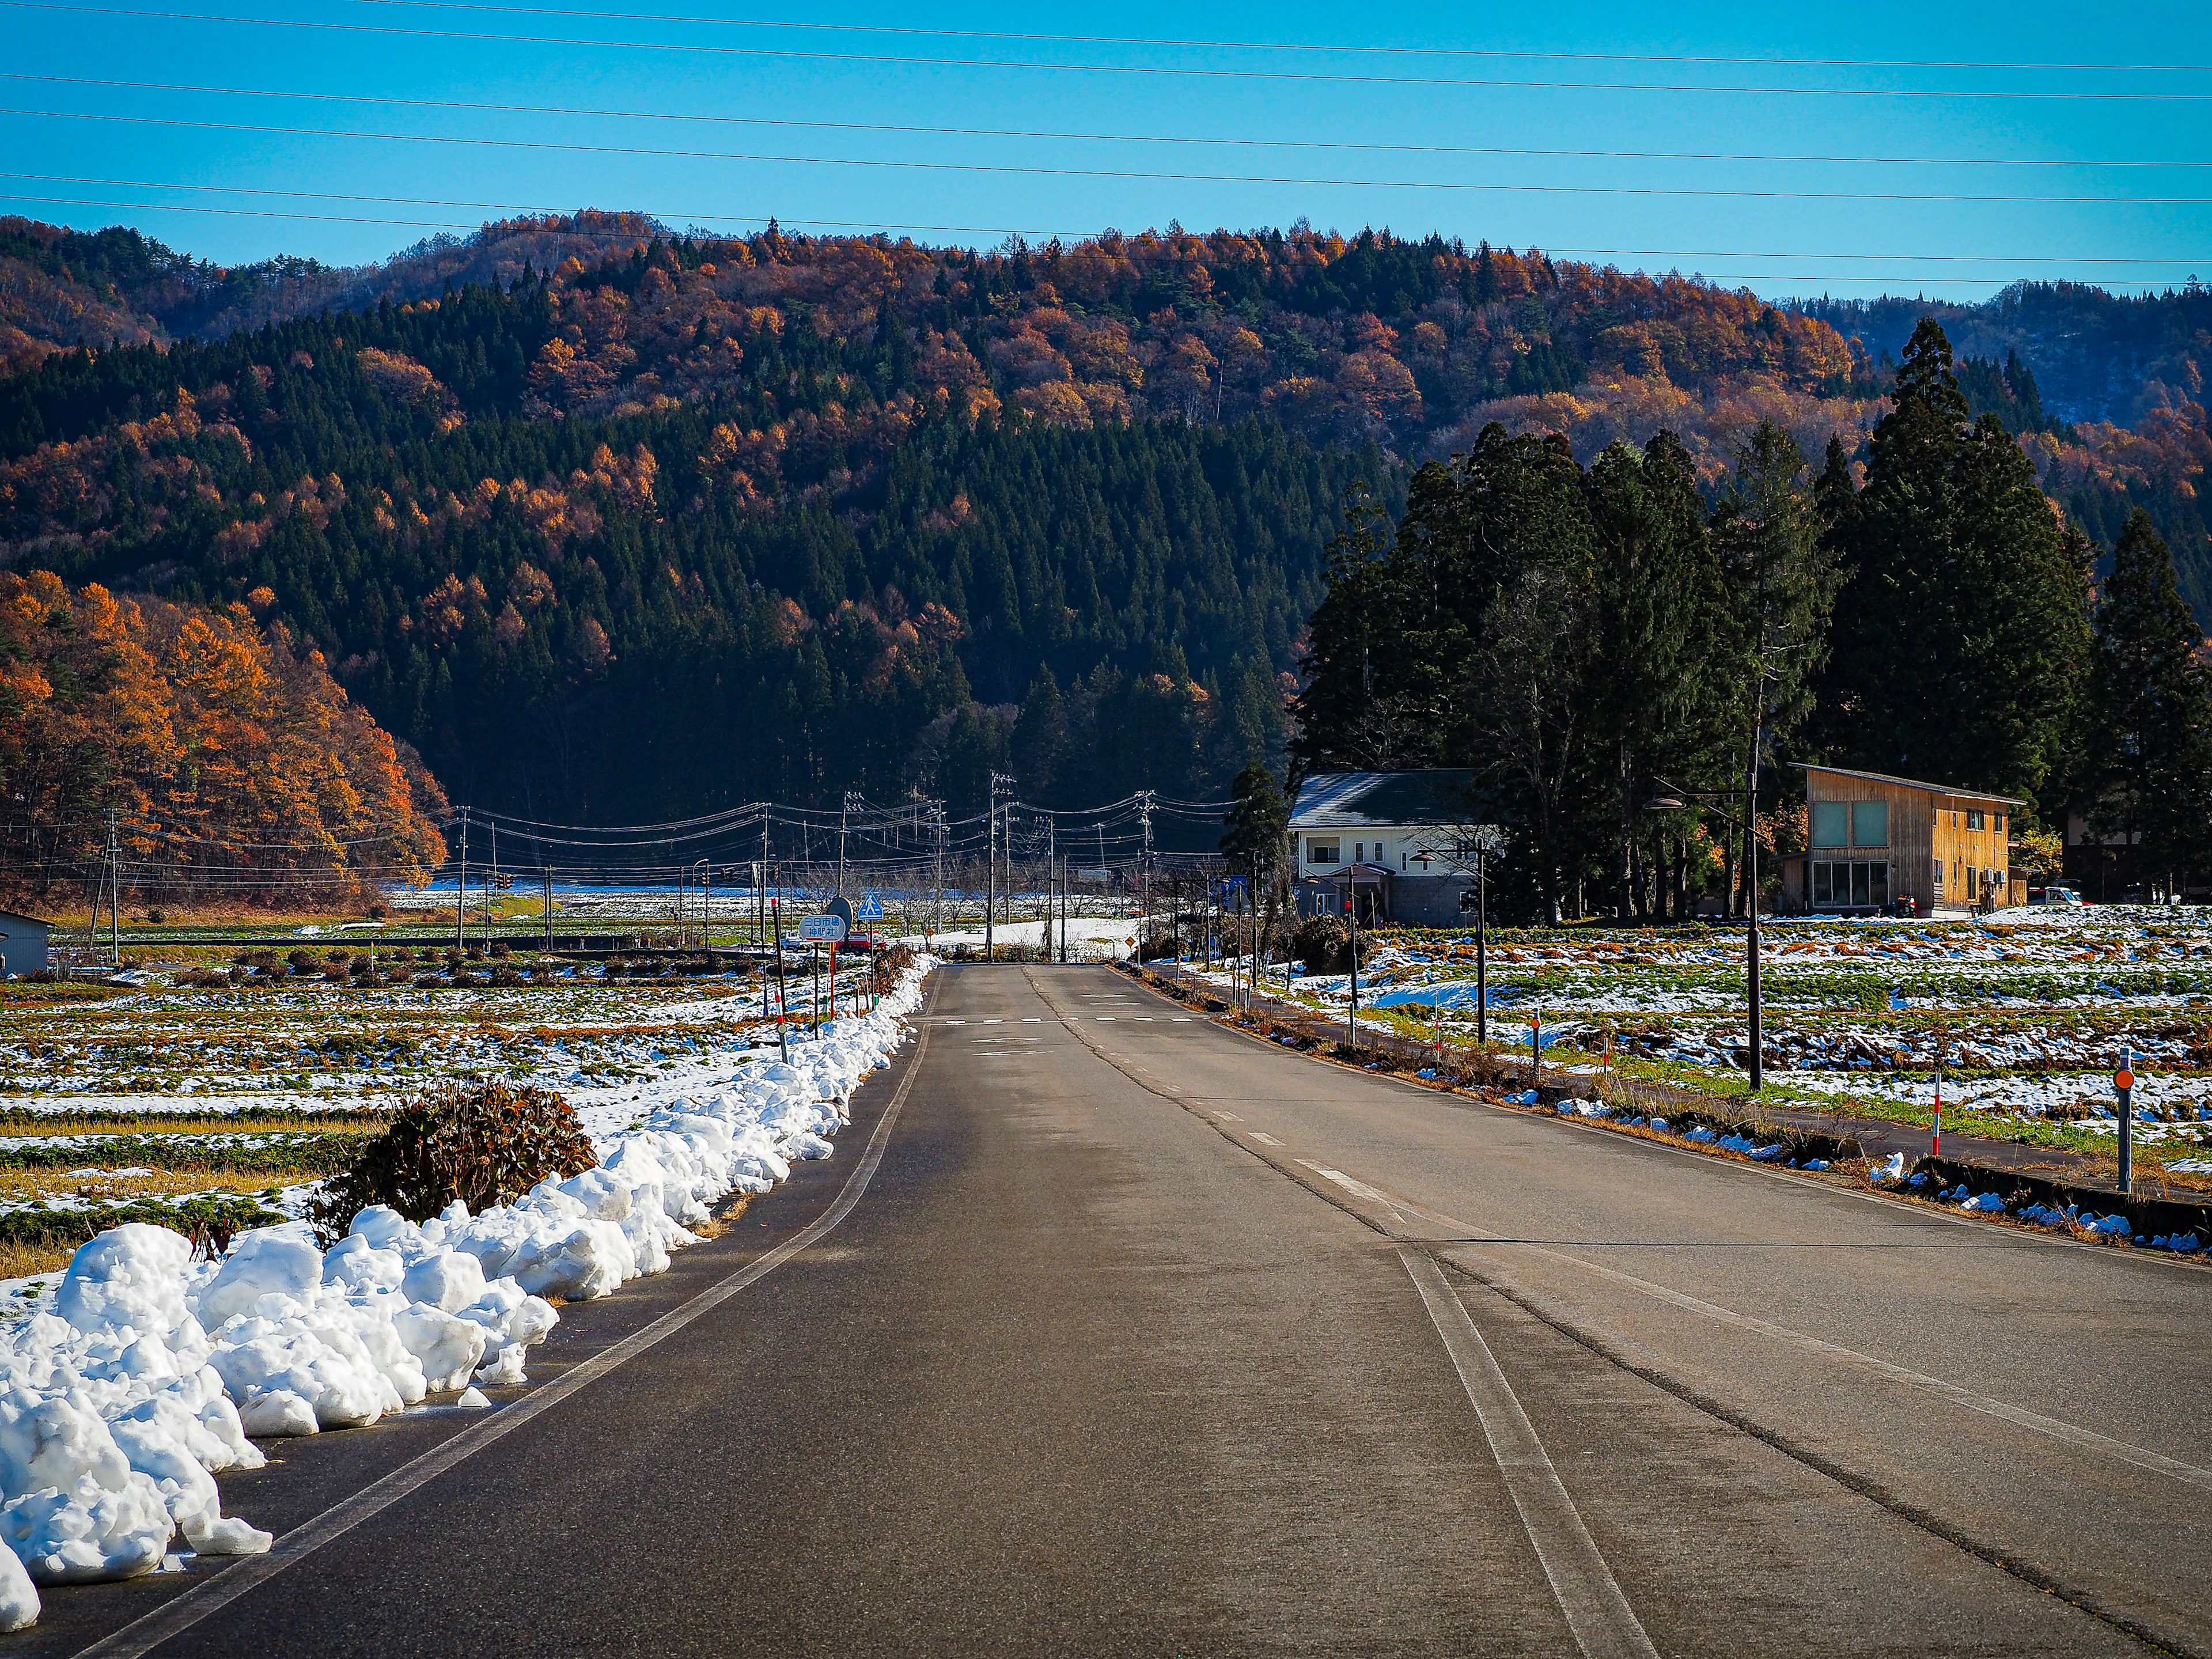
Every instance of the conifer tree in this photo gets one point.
(2151, 748)
(1962, 639)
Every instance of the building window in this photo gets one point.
(1869, 823)
(2000, 824)
(1858, 884)
(1322, 852)
(1832, 823)
(1974, 817)
(1360, 852)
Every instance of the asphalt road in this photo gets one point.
(1147, 1338)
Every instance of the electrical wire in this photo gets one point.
(1361, 50)
(1010, 169)
(905, 130)
(1215, 72)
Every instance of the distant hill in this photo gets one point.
(2096, 355)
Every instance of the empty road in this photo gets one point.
(1143, 1337)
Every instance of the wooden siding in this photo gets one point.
(1925, 824)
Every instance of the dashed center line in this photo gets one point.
(1263, 1137)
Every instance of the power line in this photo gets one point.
(909, 165)
(478, 108)
(2175, 260)
(1295, 45)
(1047, 66)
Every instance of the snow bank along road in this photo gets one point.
(1147, 1338)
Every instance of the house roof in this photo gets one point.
(18, 915)
(1353, 800)
(1910, 783)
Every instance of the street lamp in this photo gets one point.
(1679, 801)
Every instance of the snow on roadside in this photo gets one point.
(153, 1372)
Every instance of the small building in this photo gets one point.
(1874, 839)
(1388, 842)
(22, 943)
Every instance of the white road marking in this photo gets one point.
(1263, 1137)
(1105, 1019)
(141, 1635)
(994, 1022)
(1229, 1117)
(1956, 1394)
(1178, 1019)
(1032, 1019)
(1357, 1189)
(1596, 1612)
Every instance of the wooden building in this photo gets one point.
(1875, 840)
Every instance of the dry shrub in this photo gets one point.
(483, 1146)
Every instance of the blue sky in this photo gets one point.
(1807, 227)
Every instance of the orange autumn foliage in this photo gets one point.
(236, 765)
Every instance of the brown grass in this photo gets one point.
(20, 1184)
(21, 1261)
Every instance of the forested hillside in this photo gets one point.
(631, 524)
(216, 739)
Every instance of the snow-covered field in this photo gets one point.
(135, 1376)
(2025, 1014)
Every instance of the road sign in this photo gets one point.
(821, 930)
(871, 909)
(2124, 1081)
(2124, 1084)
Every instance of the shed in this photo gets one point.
(23, 942)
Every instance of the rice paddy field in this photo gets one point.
(2023, 1015)
(213, 1090)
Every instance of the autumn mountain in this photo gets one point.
(858, 506)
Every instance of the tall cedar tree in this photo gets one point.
(1666, 644)
(2151, 757)
(1782, 577)
(1962, 640)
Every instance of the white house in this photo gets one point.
(1386, 840)
(22, 943)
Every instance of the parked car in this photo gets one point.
(2065, 895)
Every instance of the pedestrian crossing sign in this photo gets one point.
(871, 909)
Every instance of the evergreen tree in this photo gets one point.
(1256, 826)
(1664, 643)
(2151, 759)
(1962, 640)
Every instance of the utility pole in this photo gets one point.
(1143, 871)
(760, 886)
(853, 803)
(461, 891)
(999, 780)
(114, 895)
(492, 881)
(545, 877)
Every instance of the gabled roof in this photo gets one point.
(18, 915)
(1908, 783)
(1353, 800)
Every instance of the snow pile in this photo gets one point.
(118, 1407)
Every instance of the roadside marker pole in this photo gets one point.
(782, 1007)
(1536, 1052)
(1935, 1149)
(2124, 1085)
(833, 982)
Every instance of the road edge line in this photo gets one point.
(1597, 1611)
(143, 1634)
